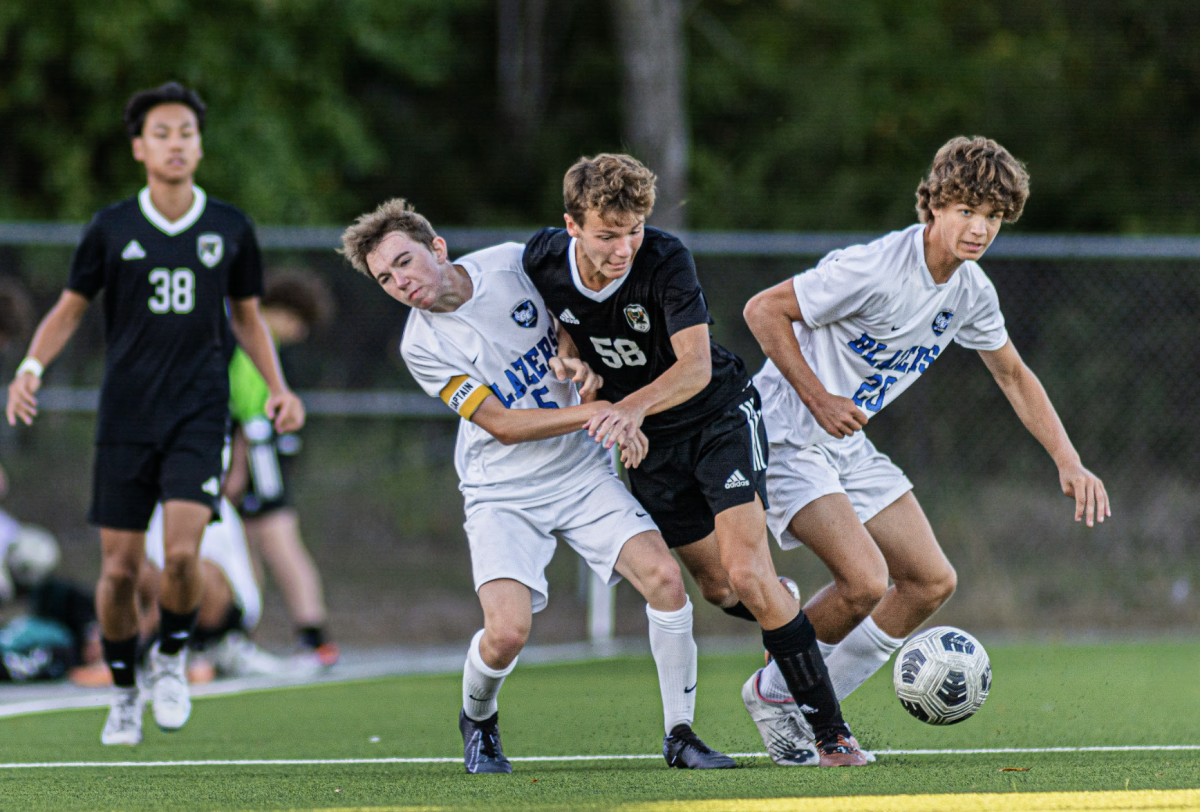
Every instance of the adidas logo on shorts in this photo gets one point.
(736, 480)
(568, 317)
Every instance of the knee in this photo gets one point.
(863, 593)
(715, 587)
(178, 566)
(663, 581)
(933, 587)
(503, 642)
(749, 585)
(120, 573)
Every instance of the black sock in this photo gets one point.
(121, 656)
(739, 610)
(312, 636)
(204, 636)
(794, 647)
(174, 629)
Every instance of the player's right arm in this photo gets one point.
(53, 333)
(510, 426)
(771, 315)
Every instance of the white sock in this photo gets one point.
(826, 648)
(861, 654)
(481, 683)
(674, 651)
(772, 686)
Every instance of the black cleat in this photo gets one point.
(683, 749)
(481, 745)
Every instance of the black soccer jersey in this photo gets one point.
(624, 331)
(164, 309)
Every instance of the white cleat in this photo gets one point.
(236, 656)
(169, 689)
(124, 723)
(787, 736)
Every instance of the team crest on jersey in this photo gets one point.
(638, 318)
(210, 247)
(941, 322)
(525, 314)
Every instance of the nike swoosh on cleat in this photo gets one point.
(689, 690)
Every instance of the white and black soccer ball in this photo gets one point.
(942, 675)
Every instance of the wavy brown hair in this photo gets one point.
(397, 214)
(970, 171)
(608, 184)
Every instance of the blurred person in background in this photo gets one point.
(179, 271)
(294, 303)
(845, 339)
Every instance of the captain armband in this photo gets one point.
(464, 395)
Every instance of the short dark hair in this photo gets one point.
(144, 101)
(300, 292)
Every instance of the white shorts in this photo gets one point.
(852, 465)
(224, 544)
(517, 542)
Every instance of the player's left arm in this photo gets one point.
(691, 372)
(1031, 403)
(283, 407)
(567, 363)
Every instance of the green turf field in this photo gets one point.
(1043, 696)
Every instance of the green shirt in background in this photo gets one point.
(248, 390)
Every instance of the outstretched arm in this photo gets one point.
(691, 372)
(1031, 403)
(52, 335)
(770, 316)
(283, 407)
(511, 426)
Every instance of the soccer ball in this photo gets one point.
(942, 675)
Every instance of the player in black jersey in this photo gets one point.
(169, 261)
(629, 298)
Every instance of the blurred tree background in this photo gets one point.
(783, 115)
(780, 115)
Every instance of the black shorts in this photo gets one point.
(685, 484)
(269, 464)
(130, 478)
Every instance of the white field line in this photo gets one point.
(635, 757)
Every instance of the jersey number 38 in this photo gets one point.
(174, 291)
(619, 353)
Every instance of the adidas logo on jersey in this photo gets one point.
(568, 317)
(736, 480)
(133, 251)
(211, 486)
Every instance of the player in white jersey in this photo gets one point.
(845, 339)
(480, 338)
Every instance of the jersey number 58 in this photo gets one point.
(619, 353)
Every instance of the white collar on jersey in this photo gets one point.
(183, 223)
(601, 295)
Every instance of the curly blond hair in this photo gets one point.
(608, 184)
(397, 214)
(970, 171)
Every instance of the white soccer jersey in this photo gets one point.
(876, 322)
(499, 342)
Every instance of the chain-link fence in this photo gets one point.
(1108, 324)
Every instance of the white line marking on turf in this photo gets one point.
(281, 762)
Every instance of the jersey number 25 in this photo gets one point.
(619, 353)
